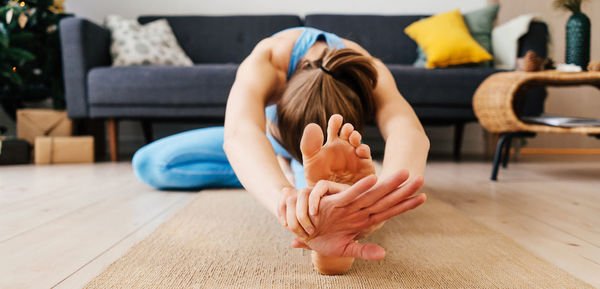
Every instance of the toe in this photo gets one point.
(355, 138)
(363, 151)
(312, 140)
(347, 129)
(333, 127)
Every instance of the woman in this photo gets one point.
(302, 76)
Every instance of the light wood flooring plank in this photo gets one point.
(44, 256)
(61, 225)
(90, 270)
(555, 218)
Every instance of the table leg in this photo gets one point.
(506, 155)
(489, 143)
(498, 155)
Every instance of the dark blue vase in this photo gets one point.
(578, 40)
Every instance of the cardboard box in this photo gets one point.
(63, 150)
(42, 122)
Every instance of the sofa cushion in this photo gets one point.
(151, 44)
(382, 36)
(194, 112)
(480, 23)
(446, 40)
(452, 87)
(223, 39)
(201, 84)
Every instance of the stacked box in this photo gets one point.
(62, 150)
(32, 123)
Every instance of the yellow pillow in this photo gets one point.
(446, 40)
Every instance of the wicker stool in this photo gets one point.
(495, 100)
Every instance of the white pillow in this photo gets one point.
(150, 44)
(505, 40)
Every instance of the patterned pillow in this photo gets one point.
(150, 44)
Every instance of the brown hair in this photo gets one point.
(341, 82)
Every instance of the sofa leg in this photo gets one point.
(458, 137)
(113, 138)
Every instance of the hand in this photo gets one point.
(286, 211)
(294, 207)
(341, 217)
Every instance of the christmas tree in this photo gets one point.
(30, 59)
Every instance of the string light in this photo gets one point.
(22, 4)
(14, 68)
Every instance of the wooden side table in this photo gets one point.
(495, 100)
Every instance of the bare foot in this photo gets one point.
(343, 159)
(331, 265)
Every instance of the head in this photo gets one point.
(344, 85)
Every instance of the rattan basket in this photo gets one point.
(494, 100)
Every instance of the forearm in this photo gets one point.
(247, 148)
(258, 171)
(406, 147)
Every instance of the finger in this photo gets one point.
(363, 151)
(333, 126)
(347, 129)
(396, 196)
(321, 188)
(381, 189)
(281, 207)
(312, 140)
(299, 244)
(355, 138)
(292, 221)
(302, 211)
(398, 209)
(369, 252)
(349, 195)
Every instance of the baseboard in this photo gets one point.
(559, 151)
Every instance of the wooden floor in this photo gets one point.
(61, 225)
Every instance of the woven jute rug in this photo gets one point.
(225, 239)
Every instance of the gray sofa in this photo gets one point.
(217, 44)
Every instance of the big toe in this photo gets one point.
(373, 252)
(312, 140)
(370, 252)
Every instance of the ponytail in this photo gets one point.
(340, 81)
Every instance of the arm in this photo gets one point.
(246, 145)
(406, 145)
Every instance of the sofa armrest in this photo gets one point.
(535, 39)
(84, 45)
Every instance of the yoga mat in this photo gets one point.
(225, 239)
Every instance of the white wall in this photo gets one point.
(97, 10)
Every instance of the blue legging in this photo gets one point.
(195, 160)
